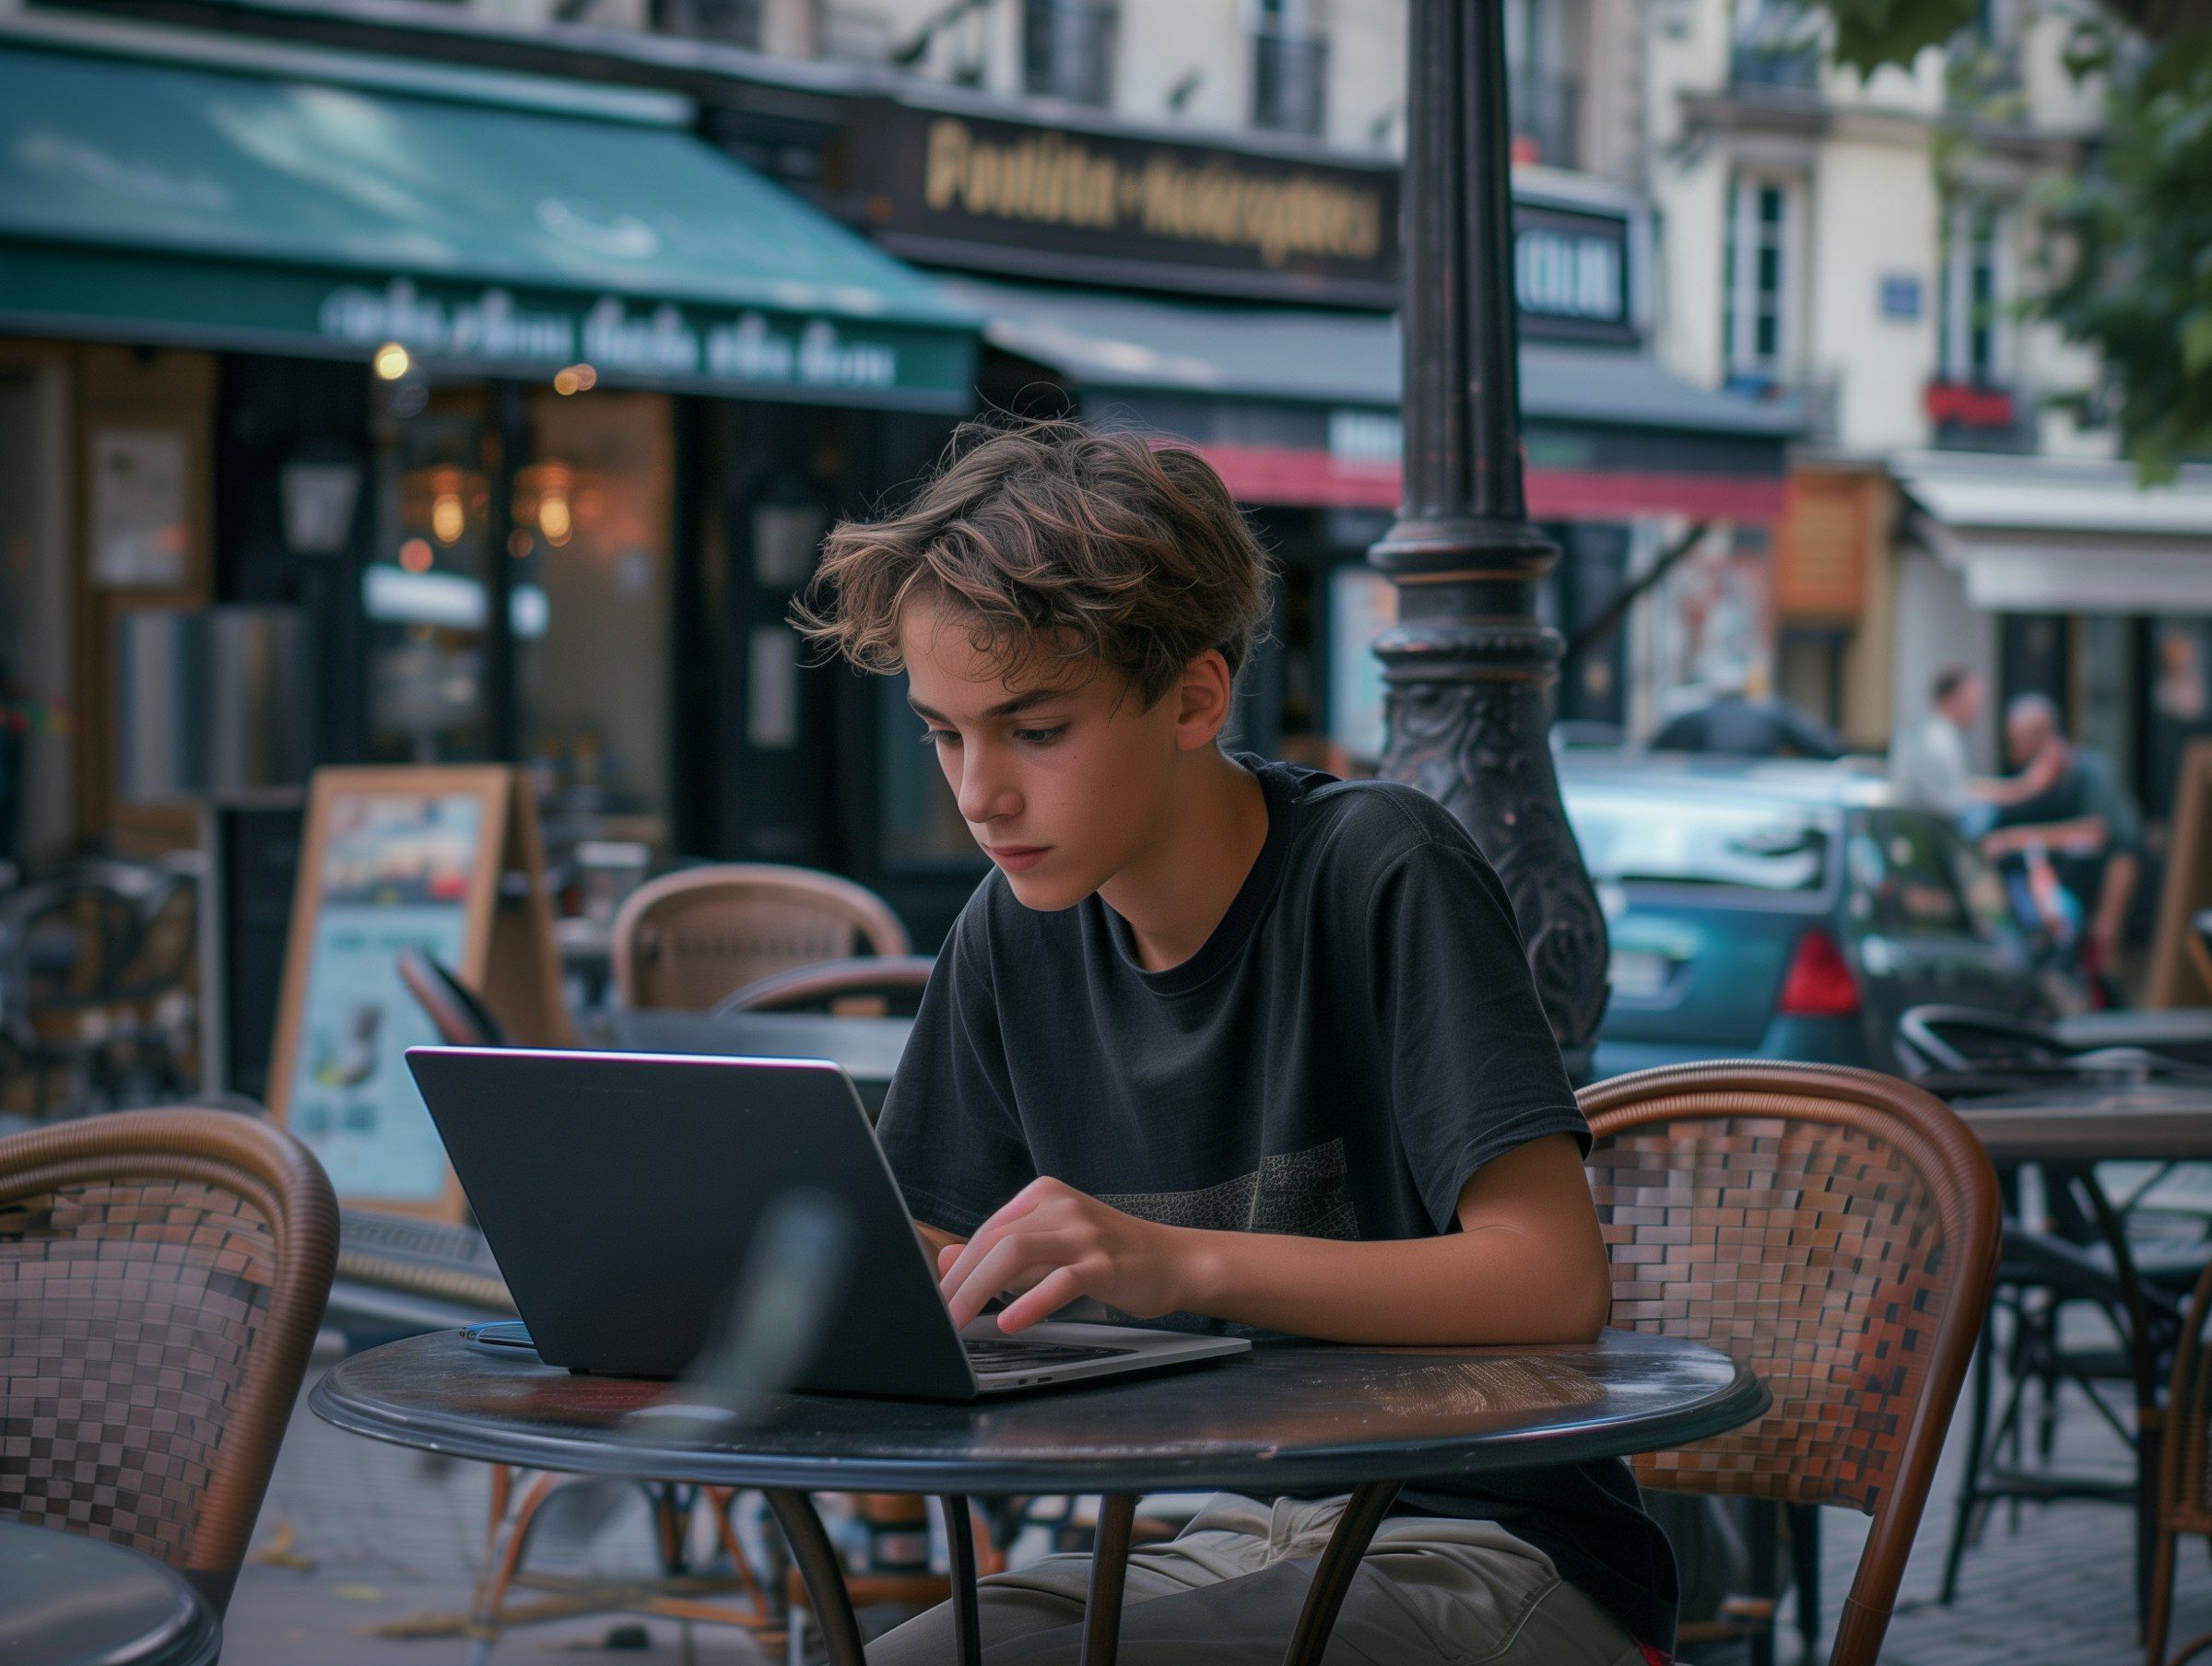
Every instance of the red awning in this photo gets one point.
(1295, 478)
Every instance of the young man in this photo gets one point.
(1223, 1043)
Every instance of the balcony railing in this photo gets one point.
(1289, 81)
(1068, 50)
(1790, 69)
(735, 22)
(1778, 47)
(1547, 117)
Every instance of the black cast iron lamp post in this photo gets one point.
(1468, 670)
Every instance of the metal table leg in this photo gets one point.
(2143, 1357)
(1109, 1570)
(826, 1592)
(1333, 1578)
(959, 1541)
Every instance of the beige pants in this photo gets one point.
(1227, 1591)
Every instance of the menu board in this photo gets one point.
(2177, 952)
(399, 859)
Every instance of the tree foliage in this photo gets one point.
(2134, 279)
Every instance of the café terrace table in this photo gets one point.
(2075, 1126)
(1286, 1417)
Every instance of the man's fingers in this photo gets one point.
(1051, 1293)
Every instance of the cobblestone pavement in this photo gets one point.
(355, 1535)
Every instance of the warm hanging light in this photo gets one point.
(392, 361)
(553, 518)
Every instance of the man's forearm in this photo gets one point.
(1492, 1285)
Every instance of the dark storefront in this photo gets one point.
(1234, 299)
(519, 408)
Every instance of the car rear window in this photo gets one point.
(1630, 836)
(1907, 875)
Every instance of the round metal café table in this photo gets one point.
(1295, 1418)
(66, 1600)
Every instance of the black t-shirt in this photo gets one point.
(1358, 1036)
(2085, 786)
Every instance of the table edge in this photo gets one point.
(1744, 1398)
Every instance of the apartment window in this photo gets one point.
(734, 22)
(1068, 50)
(1971, 295)
(1545, 102)
(1289, 68)
(1756, 325)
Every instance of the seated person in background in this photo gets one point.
(1223, 1043)
(2079, 818)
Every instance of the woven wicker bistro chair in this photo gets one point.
(1834, 1229)
(162, 1273)
(687, 939)
(2184, 1474)
(868, 985)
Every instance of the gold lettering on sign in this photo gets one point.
(1056, 180)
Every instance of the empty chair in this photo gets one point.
(210, 1237)
(687, 939)
(1836, 1231)
(872, 983)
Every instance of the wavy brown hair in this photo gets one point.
(1062, 543)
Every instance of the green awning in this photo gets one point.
(284, 202)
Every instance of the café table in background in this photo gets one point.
(2072, 1127)
(1286, 1417)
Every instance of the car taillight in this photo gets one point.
(1820, 983)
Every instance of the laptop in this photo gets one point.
(619, 1192)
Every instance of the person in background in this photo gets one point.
(1744, 724)
(1930, 768)
(2075, 814)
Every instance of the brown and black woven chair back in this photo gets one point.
(1835, 1230)
(687, 939)
(162, 1273)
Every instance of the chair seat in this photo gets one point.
(76, 1602)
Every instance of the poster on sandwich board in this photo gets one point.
(391, 859)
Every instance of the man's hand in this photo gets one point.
(1055, 1244)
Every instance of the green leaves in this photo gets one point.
(1870, 33)
(2132, 275)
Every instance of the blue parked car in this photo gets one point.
(1782, 909)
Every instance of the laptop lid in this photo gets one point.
(619, 1192)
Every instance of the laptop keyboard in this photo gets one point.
(1013, 1354)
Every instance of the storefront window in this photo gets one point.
(592, 563)
(586, 547)
(424, 588)
(922, 824)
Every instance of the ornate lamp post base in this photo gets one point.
(1469, 669)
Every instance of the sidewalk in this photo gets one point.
(372, 1534)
